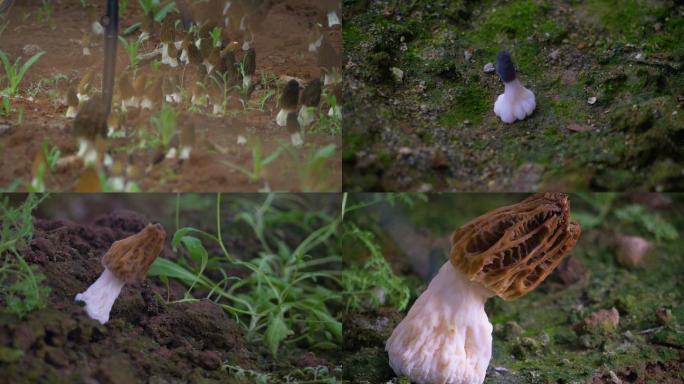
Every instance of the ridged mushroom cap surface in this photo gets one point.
(511, 250)
(129, 259)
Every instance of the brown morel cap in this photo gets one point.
(512, 249)
(129, 259)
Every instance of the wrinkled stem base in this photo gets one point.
(101, 295)
(446, 337)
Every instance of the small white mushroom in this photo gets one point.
(517, 102)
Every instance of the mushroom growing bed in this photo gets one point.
(38, 111)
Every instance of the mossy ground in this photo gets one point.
(628, 54)
(539, 338)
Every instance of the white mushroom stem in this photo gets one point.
(281, 118)
(307, 115)
(446, 337)
(333, 19)
(516, 103)
(101, 295)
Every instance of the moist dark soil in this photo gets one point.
(281, 46)
(146, 340)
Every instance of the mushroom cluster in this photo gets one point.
(126, 261)
(446, 335)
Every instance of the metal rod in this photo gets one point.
(110, 22)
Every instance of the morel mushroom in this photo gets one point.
(517, 102)
(126, 261)
(446, 336)
(288, 101)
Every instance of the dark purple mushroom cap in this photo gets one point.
(505, 67)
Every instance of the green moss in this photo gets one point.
(470, 103)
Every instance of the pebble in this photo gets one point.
(489, 68)
(632, 250)
(555, 55)
(405, 151)
(592, 100)
(30, 49)
(467, 54)
(397, 74)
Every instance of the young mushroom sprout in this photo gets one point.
(446, 335)
(288, 101)
(517, 102)
(126, 261)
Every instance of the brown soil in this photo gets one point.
(146, 340)
(281, 47)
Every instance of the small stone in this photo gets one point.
(397, 74)
(603, 321)
(554, 55)
(664, 316)
(614, 378)
(438, 159)
(489, 68)
(511, 330)
(30, 49)
(632, 250)
(468, 54)
(592, 100)
(4, 128)
(425, 188)
(576, 127)
(639, 56)
(658, 27)
(405, 151)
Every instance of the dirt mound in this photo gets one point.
(145, 337)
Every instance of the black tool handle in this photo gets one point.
(110, 22)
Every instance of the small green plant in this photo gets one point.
(328, 124)
(21, 291)
(165, 122)
(51, 154)
(314, 170)
(216, 37)
(291, 283)
(259, 162)
(15, 72)
(158, 9)
(45, 14)
(131, 48)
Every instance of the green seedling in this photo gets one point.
(15, 72)
(259, 162)
(51, 154)
(314, 170)
(45, 14)
(288, 292)
(21, 291)
(328, 124)
(165, 122)
(158, 9)
(216, 37)
(131, 48)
